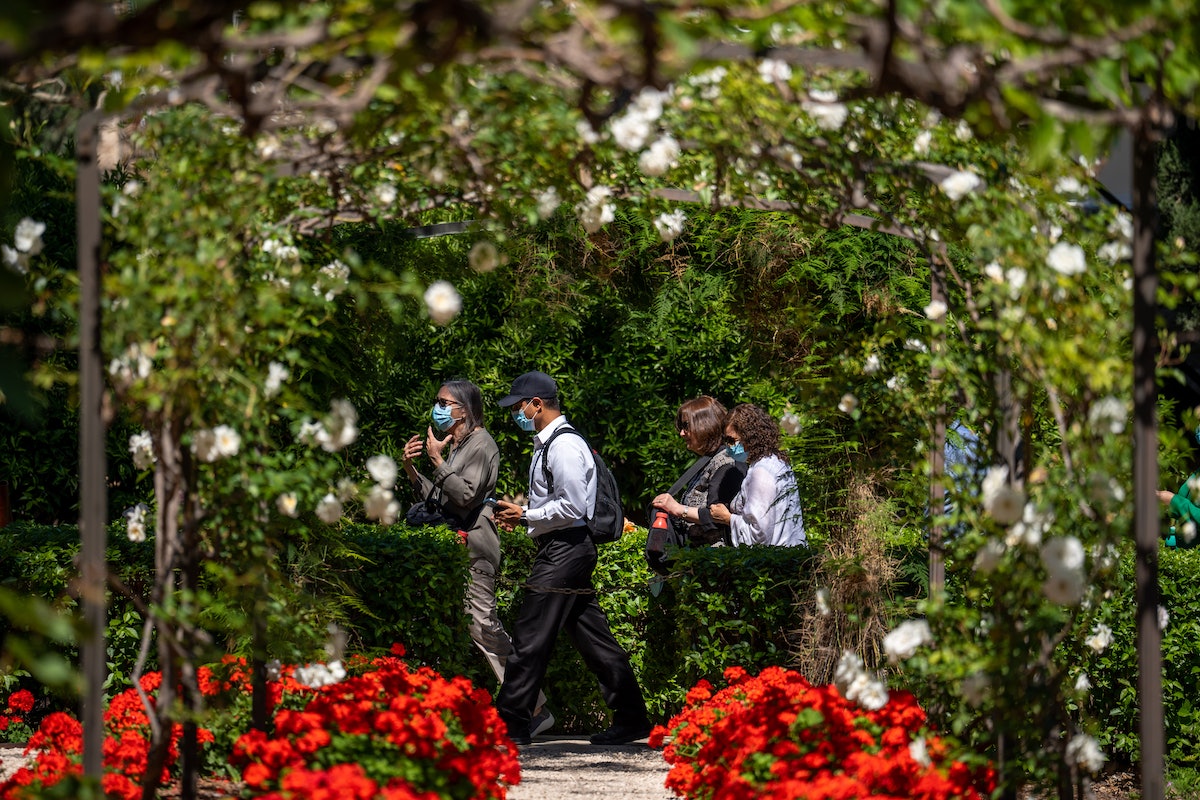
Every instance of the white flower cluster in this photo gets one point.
(772, 70)
(848, 403)
(669, 224)
(1119, 249)
(339, 429)
(659, 157)
(280, 250)
(135, 364)
(857, 685)
(1014, 277)
(135, 523)
(823, 107)
(922, 142)
(276, 375)
(1067, 259)
(791, 424)
(315, 676)
(595, 211)
(1003, 502)
(547, 203)
(383, 470)
(1101, 638)
(1063, 559)
(141, 447)
(872, 364)
(1084, 752)
(27, 239)
(958, 185)
(329, 510)
(1029, 528)
(902, 643)
(443, 302)
(381, 504)
(211, 444)
(1107, 415)
(936, 310)
(332, 280)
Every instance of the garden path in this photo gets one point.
(570, 768)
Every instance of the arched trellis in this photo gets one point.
(918, 81)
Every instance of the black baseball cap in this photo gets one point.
(531, 384)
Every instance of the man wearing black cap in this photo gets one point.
(566, 557)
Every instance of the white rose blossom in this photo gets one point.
(315, 676)
(669, 224)
(1107, 415)
(1004, 503)
(340, 428)
(1067, 259)
(902, 643)
(919, 753)
(659, 157)
(790, 423)
(1164, 618)
(936, 310)
(135, 523)
(823, 107)
(287, 504)
(16, 261)
(922, 142)
(28, 236)
(380, 504)
(383, 470)
(1082, 683)
(988, 557)
(848, 403)
(204, 445)
(772, 70)
(547, 203)
(141, 447)
(227, 441)
(329, 509)
(332, 280)
(871, 365)
(1084, 752)
(484, 257)
(386, 193)
(443, 302)
(959, 184)
(276, 375)
(1101, 638)
(595, 211)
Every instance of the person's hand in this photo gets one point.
(720, 513)
(434, 446)
(668, 504)
(412, 449)
(1165, 497)
(506, 514)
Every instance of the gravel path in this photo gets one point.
(552, 767)
(556, 767)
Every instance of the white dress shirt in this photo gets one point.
(767, 509)
(574, 471)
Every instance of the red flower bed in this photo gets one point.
(389, 733)
(57, 747)
(778, 736)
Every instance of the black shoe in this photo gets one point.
(622, 734)
(521, 741)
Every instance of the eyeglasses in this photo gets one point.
(443, 402)
(683, 427)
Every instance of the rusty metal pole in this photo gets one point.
(1145, 463)
(93, 492)
(937, 461)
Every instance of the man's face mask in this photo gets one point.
(524, 422)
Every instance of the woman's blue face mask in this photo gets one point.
(443, 420)
(736, 451)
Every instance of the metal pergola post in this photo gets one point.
(1145, 464)
(92, 472)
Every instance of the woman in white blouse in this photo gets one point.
(767, 509)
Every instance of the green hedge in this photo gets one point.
(724, 606)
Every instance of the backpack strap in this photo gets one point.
(547, 475)
(684, 479)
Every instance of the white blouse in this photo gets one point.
(767, 509)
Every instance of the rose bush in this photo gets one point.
(778, 736)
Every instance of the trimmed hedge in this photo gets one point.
(723, 606)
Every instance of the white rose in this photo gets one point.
(329, 510)
(959, 184)
(287, 504)
(902, 643)
(484, 256)
(443, 302)
(383, 470)
(1067, 259)
(1084, 752)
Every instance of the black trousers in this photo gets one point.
(565, 560)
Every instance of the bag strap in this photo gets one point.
(699, 464)
(547, 475)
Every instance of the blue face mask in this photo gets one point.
(736, 451)
(442, 419)
(523, 422)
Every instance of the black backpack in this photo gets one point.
(609, 522)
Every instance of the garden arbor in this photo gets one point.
(886, 116)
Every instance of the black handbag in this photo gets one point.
(429, 513)
(663, 530)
